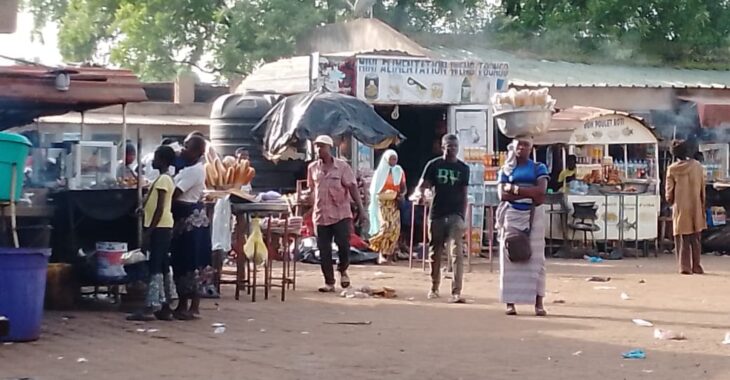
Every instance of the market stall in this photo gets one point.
(617, 186)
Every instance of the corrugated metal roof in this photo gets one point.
(291, 75)
(116, 119)
(30, 91)
(285, 76)
(531, 72)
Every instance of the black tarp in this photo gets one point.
(305, 116)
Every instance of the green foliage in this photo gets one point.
(158, 38)
(688, 33)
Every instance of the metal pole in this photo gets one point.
(123, 145)
(140, 217)
(83, 122)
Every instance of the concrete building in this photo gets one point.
(173, 110)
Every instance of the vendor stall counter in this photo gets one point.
(617, 172)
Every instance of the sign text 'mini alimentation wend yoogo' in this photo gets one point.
(408, 80)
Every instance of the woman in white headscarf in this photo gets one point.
(387, 187)
(522, 188)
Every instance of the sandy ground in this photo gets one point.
(411, 337)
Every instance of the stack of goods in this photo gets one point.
(128, 182)
(228, 173)
(524, 112)
(523, 100)
(294, 226)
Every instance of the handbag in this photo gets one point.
(517, 242)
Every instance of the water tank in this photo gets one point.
(232, 118)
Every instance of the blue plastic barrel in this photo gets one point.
(22, 290)
(13, 152)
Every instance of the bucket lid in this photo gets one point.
(14, 138)
(25, 251)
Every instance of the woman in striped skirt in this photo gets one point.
(523, 184)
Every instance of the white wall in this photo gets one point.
(151, 134)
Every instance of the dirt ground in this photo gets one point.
(411, 337)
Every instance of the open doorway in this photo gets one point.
(423, 127)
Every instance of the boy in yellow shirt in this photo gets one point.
(567, 175)
(158, 224)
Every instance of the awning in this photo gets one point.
(566, 122)
(30, 92)
(713, 111)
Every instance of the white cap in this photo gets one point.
(324, 139)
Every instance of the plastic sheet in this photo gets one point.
(221, 227)
(305, 116)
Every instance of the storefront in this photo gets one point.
(426, 99)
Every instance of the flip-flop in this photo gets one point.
(345, 281)
(327, 289)
(511, 311)
(540, 312)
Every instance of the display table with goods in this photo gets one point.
(265, 233)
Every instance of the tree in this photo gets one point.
(157, 38)
(682, 32)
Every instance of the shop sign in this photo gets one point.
(612, 129)
(334, 74)
(407, 80)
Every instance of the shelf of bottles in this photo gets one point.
(474, 157)
(715, 161)
(492, 164)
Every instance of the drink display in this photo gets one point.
(715, 161)
(492, 163)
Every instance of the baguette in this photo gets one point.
(211, 177)
(229, 161)
(230, 173)
(248, 176)
(221, 170)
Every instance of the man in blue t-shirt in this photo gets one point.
(449, 178)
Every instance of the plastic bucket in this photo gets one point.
(109, 260)
(13, 152)
(22, 290)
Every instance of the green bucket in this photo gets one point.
(13, 153)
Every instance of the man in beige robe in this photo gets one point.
(685, 192)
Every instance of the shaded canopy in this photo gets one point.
(30, 92)
(305, 116)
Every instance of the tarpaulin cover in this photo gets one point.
(305, 116)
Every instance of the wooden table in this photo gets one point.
(247, 272)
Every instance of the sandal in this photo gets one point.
(511, 311)
(540, 312)
(344, 280)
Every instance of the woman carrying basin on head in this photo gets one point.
(522, 188)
